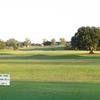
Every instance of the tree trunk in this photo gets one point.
(91, 52)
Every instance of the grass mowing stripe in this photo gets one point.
(20, 90)
(51, 75)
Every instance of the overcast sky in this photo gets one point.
(46, 19)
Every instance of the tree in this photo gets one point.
(53, 42)
(62, 42)
(2, 44)
(46, 42)
(27, 42)
(86, 38)
(21, 44)
(74, 42)
(12, 43)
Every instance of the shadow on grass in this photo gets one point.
(48, 57)
(44, 49)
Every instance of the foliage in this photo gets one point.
(27, 42)
(46, 43)
(2, 44)
(63, 42)
(53, 42)
(86, 38)
(12, 43)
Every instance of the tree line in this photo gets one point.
(86, 38)
(14, 44)
(53, 42)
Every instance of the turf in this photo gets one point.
(50, 91)
(50, 75)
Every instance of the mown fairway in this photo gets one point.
(50, 75)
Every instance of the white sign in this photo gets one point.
(4, 79)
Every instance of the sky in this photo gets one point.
(46, 19)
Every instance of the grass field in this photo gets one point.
(50, 75)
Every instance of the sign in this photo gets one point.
(5, 79)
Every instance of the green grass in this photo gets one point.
(50, 91)
(44, 48)
(50, 75)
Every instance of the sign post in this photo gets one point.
(5, 79)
